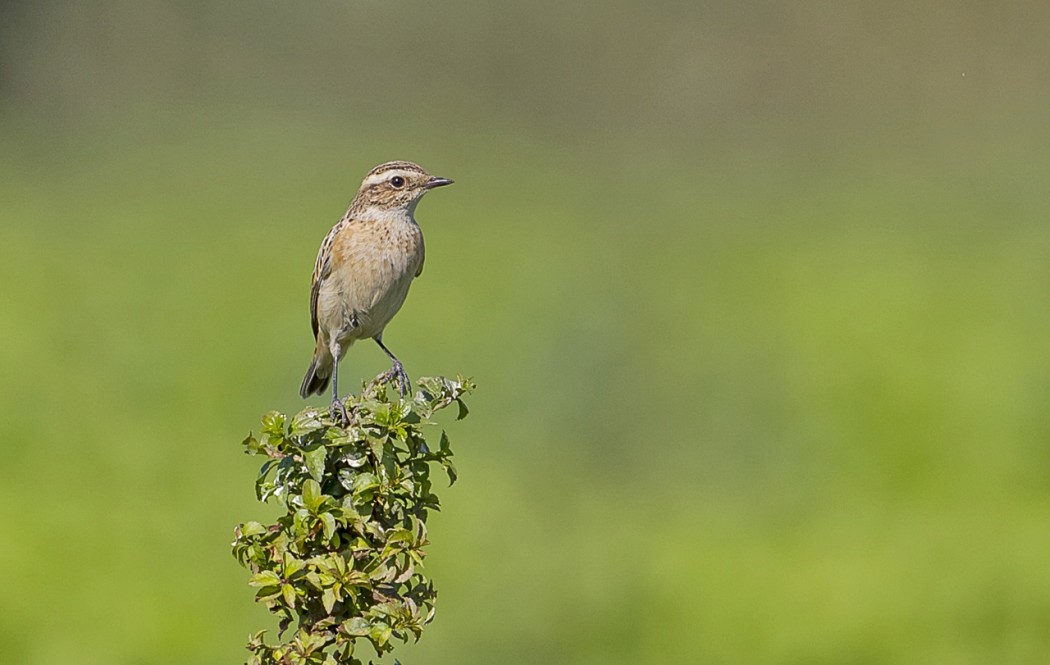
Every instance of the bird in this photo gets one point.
(363, 271)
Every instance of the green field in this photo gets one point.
(763, 364)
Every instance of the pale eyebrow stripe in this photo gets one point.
(383, 176)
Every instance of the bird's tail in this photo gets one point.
(318, 376)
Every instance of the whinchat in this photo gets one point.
(363, 270)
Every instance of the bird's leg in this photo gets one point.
(397, 371)
(338, 408)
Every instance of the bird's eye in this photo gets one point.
(397, 181)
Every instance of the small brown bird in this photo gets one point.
(364, 268)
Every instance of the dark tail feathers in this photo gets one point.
(316, 380)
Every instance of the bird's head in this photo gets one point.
(396, 185)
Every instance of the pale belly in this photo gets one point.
(372, 320)
(358, 301)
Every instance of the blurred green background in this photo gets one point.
(755, 295)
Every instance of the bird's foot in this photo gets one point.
(397, 374)
(339, 413)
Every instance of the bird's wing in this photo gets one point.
(422, 255)
(322, 269)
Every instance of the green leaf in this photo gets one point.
(328, 522)
(406, 575)
(264, 578)
(450, 469)
(357, 626)
(266, 468)
(267, 594)
(273, 423)
(306, 422)
(346, 480)
(302, 519)
(376, 445)
(256, 639)
(315, 460)
(379, 572)
(311, 495)
(337, 436)
(347, 652)
(292, 565)
(355, 459)
(383, 414)
(328, 599)
(380, 634)
(288, 593)
(249, 529)
(251, 444)
(365, 482)
(399, 536)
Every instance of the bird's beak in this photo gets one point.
(438, 182)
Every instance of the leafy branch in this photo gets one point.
(344, 561)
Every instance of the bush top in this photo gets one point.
(344, 560)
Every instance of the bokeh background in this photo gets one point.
(755, 294)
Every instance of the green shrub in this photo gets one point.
(343, 561)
